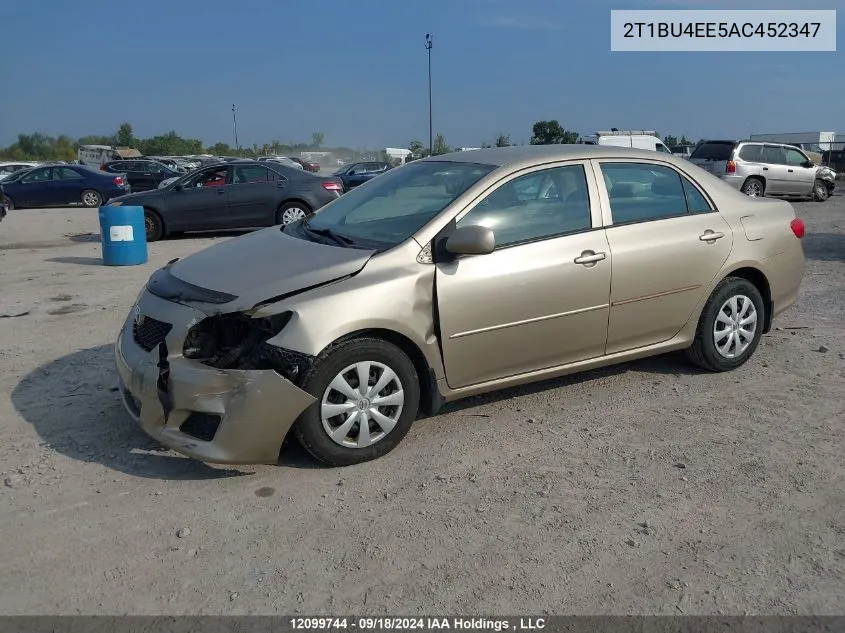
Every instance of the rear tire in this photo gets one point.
(730, 326)
(91, 198)
(153, 226)
(753, 188)
(8, 202)
(820, 193)
(386, 369)
(291, 212)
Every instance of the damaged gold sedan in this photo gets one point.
(448, 277)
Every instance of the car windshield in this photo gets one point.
(392, 207)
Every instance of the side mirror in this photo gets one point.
(808, 164)
(178, 186)
(471, 240)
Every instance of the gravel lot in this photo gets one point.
(646, 488)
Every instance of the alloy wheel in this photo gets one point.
(362, 404)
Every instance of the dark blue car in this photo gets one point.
(359, 173)
(59, 185)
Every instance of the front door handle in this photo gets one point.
(221, 191)
(789, 170)
(589, 257)
(765, 169)
(711, 236)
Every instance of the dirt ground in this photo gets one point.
(649, 488)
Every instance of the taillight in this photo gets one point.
(118, 180)
(730, 168)
(797, 226)
(332, 186)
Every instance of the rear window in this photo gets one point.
(751, 153)
(714, 150)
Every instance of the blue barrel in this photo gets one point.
(123, 236)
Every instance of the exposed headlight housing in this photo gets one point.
(238, 341)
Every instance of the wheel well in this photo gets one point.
(299, 201)
(759, 280)
(430, 398)
(762, 180)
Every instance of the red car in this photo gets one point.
(312, 167)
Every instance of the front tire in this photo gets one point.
(368, 395)
(730, 326)
(820, 193)
(91, 198)
(8, 202)
(291, 212)
(753, 188)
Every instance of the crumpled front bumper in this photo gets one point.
(255, 409)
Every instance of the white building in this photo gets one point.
(397, 153)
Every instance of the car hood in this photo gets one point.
(265, 265)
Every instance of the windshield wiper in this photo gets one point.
(339, 239)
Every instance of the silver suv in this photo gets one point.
(757, 169)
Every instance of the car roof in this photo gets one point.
(528, 155)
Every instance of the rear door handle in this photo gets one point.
(221, 191)
(710, 236)
(765, 169)
(589, 257)
(789, 170)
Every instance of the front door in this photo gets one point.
(202, 202)
(530, 304)
(668, 245)
(35, 189)
(799, 177)
(253, 195)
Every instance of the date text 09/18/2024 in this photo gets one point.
(416, 624)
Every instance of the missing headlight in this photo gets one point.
(237, 341)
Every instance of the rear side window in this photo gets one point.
(714, 150)
(641, 192)
(696, 203)
(751, 153)
(773, 155)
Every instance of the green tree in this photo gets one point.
(551, 133)
(416, 148)
(316, 140)
(440, 146)
(503, 140)
(124, 136)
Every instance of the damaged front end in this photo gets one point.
(211, 387)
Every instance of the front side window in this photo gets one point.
(38, 175)
(794, 158)
(535, 206)
(640, 192)
(394, 206)
(210, 178)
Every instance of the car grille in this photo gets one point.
(150, 333)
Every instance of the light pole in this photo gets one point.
(429, 42)
(235, 120)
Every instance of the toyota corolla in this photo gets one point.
(416, 289)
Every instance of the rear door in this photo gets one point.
(799, 177)
(254, 196)
(203, 201)
(667, 243)
(713, 156)
(142, 175)
(773, 159)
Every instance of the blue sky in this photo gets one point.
(357, 71)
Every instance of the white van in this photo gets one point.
(96, 155)
(639, 139)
